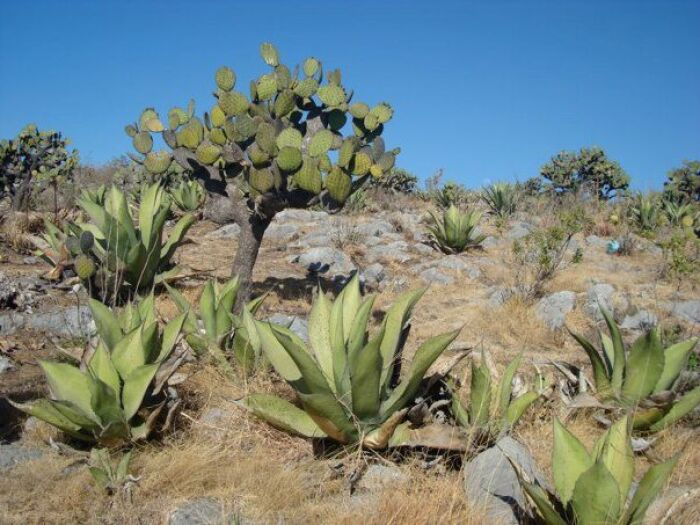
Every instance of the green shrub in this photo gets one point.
(454, 231)
(501, 198)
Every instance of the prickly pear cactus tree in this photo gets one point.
(33, 156)
(291, 139)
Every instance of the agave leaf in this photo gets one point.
(352, 299)
(246, 341)
(77, 416)
(385, 434)
(460, 413)
(365, 371)
(68, 383)
(106, 323)
(675, 359)
(45, 409)
(617, 455)
(146, 310)
(600, 377)
(569, 460)
(283, 415)
(395, 321)
(129, 353)
(518, 407)
(543, 503)
(255, 304)
(98, 215)
(330, 415)
(506, 385)
(280, 360)
(480, 395)
(596, 497)
(171, 332)
(357, 337)
(123, 466)
(653, 481)
(102, 368)
(150, 202)
(120, 211)
(228, 294)
(684, 405)
(207, 309)
(100, 476)
(135, 386)
(341, 370)
(645, 364)
(320, 337)
(619, 361)
(105, 403)
(175, 237)
(426, 354)
(312, 376)
(608, 351)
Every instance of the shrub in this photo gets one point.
(596, 487)
(589, 169)
(645, 213)
(683, 184)
(642, 377)
(454, 231)
(681, 256)
(346, 380)
(398, 180)
(262, 153)
(501, 198)
(34, 157)
(110, 401)
(451, 194)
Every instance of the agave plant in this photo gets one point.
(678, 214)
(345, 382)
(109, 477)
(215, 329)
(645, 213)
(126, 258)
(501, 198)
(188, 196)
(594, 488)
(451, 194)
(103, 400)
(494, 407)
(455, 232)
(96, 196)
(642, 377)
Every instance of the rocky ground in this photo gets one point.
(221, 464)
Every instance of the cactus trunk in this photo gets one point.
(249, 240)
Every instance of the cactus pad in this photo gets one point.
(383, 112)
(284, 77)
(336, 119)
(320, 143)
(309, 177)
(359, 110)
(290, 137)
(261, 180)
(233, 103)
(306, 88)
(284, 103)
(87, 241)
(266, 87)
(376, 171)
(269, 54)
(331, 95)
(265, 138)
(289, 159)
(191, 135)
(225, 78)
(361, 163)
(157, 162)
(150, 121)
(218, 117)
(325, 164)
(84, 267)
(207, 153)
(131, 130)
(311, 66)
(386, 162)
(217, 136)
(143, 142)
(177, 117)
(245, 127)
(347, 149)
(338, 184)
(257, 156)
(371, 122)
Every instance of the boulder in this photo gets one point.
(294, 323)
(13, 454)
(604, 295)
(301, 215)
(374, 228)
(5, 364)
(229, 231)
(433, 275)
(687, 310)
(642, 320)
(200, 511)
(552, 309)
(519, 230)
(69, 321)
(278, 232)
(326, 260)
(374, 274)
(388, 252)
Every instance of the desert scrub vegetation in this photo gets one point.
(453, 231)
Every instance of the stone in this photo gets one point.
(603, 295)
(229, 231)
(374, 274)
(13, 454)
(326, 260)
(277, 232)
(519, 230)
(490, 242)
(433, 275)
(388, 252)
(5, 364)
(19, 292)
(499, 296)
(374, 228)
(294, 323)
(422, 249)
(491, 484)
(378, 477)
(314, 239)
(687, 310)
(62, 322)
(200, 511)
(301, 215)
(552, 309)
(642, 320)
(452, 262)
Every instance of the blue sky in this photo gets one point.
(485, 90)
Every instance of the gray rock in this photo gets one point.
(277, 232)
(314, 239)
(642, 320)
(422, 249)
(597, 242)
(294, 323)
(19, 293)
(13, 454)
(687, 310)
(5, 364)
(491, 484)
(603, 295)
(552, 309)
(374, 274)
(389, 252)
(62, 322)
(378, 477)
(519, 230)
(300, 215)
(490, 242)
(499, 296)
(452, 262)
(433, 275)
(229, 231)
(200, 511)
(374, 228)
(326, 260)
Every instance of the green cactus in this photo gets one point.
(225, 78)
(207, 153)
(309, 177)
(338, 184)
(233, 103)
(262, 180)
(320, 143)
(454, 231)
(84, 267)
(289, 159)
(157, 162)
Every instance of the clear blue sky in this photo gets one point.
(484, 90)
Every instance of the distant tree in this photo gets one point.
(397, 180)
(683, 184)
(33, 157)
(590, 168)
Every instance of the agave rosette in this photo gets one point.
(454, 231)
